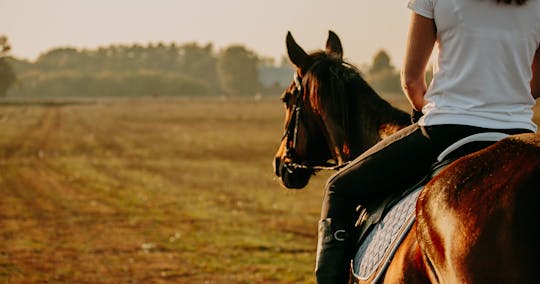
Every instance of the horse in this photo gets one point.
(474, 220)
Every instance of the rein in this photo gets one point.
(291, 134)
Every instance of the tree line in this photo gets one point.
(160, 69)
(7, 73)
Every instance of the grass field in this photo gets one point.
(150, 191)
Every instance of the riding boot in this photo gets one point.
(334, 253)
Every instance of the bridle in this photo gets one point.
(291, 134)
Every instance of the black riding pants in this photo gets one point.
(391, 166)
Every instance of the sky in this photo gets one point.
(364, 26)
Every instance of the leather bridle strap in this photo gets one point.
(291, 134)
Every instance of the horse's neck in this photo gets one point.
(377, 121)
(391, 120)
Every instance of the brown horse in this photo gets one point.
(474, 220)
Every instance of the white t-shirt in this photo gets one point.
(483, 69)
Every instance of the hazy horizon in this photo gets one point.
(364, 26)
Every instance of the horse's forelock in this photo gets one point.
(327, 81)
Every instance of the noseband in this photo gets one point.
(291, 134)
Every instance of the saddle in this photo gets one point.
(383, 228)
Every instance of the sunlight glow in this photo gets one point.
(35, 26)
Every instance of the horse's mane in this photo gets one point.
(335, 87)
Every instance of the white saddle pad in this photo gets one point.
(382, 242)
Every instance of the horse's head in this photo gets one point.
(314, 132)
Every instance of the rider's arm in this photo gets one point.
(535, 82)
(420, 42)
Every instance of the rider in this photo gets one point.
(483, 82)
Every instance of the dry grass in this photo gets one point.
(150, 191)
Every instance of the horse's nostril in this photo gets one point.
(277, 166)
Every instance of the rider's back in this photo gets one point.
(485, 53)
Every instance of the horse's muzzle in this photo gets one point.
(277, 166)
(291, 177)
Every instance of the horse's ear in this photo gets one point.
(297, 55)
(333, 45)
